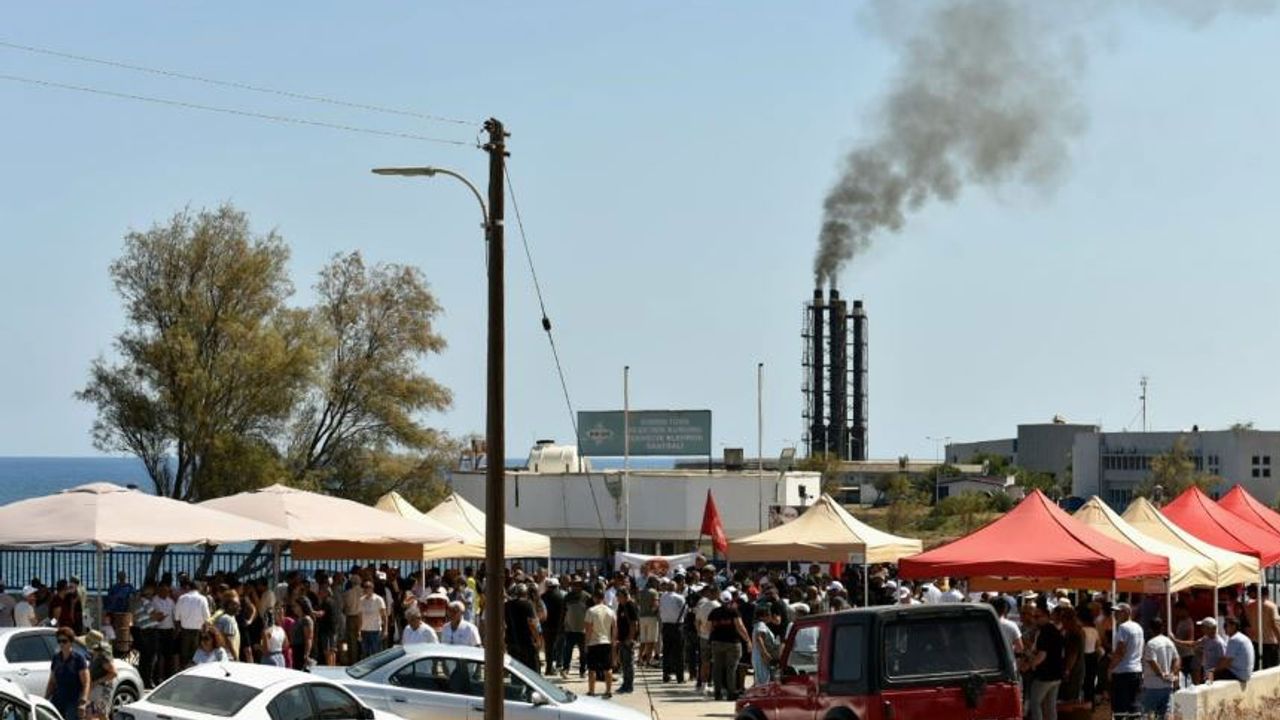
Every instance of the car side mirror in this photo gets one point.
(366, 712)
(537, 699)
(789, 672)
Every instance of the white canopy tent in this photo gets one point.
(455, 513)
(327, 527)
(824, 532)
(106, 515)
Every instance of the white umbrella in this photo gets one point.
(106, 516)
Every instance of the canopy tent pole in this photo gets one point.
(275, 566)
(866, 584)
(1115, 597)
(1262, 576)
(101, 590)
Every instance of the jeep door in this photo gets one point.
(795, 694)
(946, 667)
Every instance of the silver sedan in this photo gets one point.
(446, 682)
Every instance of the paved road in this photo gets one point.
(671, 701)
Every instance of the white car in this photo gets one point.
(429, 681)
(243, 690)
(26, 656)
(17, 704)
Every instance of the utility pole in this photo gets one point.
(760, 443)
(495, 505)
(1143, 398)
(626, 457)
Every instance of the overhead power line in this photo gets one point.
(234, 111)
(236, 85)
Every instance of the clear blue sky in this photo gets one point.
(670, 160)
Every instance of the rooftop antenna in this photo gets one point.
(1143, 398)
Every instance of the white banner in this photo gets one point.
(661, 565)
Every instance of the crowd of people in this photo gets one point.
(703, 625)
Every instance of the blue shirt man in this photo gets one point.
(1238, 662)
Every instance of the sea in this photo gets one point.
(27, 477)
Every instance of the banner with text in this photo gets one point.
(666, 433)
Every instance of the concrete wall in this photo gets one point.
(1204, 702)
(964, 452)
(1047, 447)
(579, 510)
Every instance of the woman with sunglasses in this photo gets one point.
(210, 647)
(68, 687)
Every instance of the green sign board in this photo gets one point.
(653, 432)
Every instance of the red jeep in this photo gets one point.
(925, 662)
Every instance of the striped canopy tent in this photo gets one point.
(460, 516)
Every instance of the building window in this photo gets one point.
(1261, 466)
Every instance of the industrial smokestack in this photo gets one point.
(838, 376)
(817, 390)
(858, 433)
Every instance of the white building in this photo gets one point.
(586, 516)
(1111, 465)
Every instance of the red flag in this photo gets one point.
(712, 526)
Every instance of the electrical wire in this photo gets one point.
(232, 84)
(232, 111)
(546, 326)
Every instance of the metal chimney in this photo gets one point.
(858, 440)
(838, 376)
(817, 370)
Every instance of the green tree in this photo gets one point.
(967, 508)
(374, 327)
(906, 502)
(211, 360)
(1173, 472)
(826, 463)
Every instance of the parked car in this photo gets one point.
(244, 690)
(18, 704)
(446, 682)
(894, 662)
(26, 655)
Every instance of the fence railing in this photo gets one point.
(19, 567)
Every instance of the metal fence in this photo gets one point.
(18, 567)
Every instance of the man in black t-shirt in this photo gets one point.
(553, 601)
(726, 640)
(1047, 667)
(628, 629)
(522, 628)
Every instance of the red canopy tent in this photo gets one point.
(1036, 540)
(1243, 505)
(1199, 515)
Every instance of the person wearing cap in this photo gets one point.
(1237, 662)
(727, 634)
(24, 613)
(553, 603)
(1126, 661)
(102, 676)
(1208, 650)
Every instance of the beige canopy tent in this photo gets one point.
(327, 527)
(1187, 568)
(825, 532)
(106, 515)
(1232, 568)
(455, 513)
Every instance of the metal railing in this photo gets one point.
(19, 567)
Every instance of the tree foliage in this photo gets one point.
(826, 463)
(1174, 472)
(906, 502)
(211, 357)
(220, 386)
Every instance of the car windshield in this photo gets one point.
(554, 693)
(373, 662)
(211, 696)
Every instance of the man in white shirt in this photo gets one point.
(24, 613)
(950, 594)
(417, 631)
(458, 630)
(1126, 662)
(1159, 670)
(1008, 629)
(930, 593)
(373, 620)
(701, 612)
(190, 613)
(602, 637)
(671, 613)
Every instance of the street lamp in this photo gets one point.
(495, 444)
